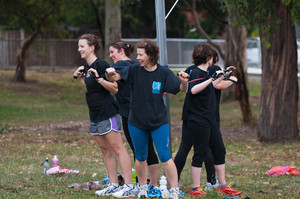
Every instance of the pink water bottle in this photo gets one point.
(55, 162)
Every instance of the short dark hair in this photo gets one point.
(119, 44)
(215, 57)
(151, 49)
(202, 53)
(92, 40)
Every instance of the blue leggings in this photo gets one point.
(160, 139)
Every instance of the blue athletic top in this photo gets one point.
(123, 95)
(147, 108)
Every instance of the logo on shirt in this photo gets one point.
(156, 87)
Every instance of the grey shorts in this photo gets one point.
(105, 126)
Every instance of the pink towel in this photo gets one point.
(281, 170)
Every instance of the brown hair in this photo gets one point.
(151, 49)
(202, 53)
(119, 44)
(92, 40)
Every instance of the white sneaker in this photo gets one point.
(175, 193)
(143, 189)
(211, 187)
(127, 191)
(110, 189)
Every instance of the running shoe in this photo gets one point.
(143, 189)
(175, 193)
(198, 192)
(210, 187)
(108, 190)
(228, 191)
(126, 192)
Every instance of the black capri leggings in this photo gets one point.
(205, 137)
(152, 157)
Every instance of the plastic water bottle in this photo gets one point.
(163, 187)
(134, 177)
(55, 161)
(46, 166)
(106, 180)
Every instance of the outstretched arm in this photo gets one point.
(184, 77)
(111, 75)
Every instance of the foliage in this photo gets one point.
(253, 13)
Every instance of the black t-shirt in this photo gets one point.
(211, 70)
(123, 95)
(201, 106)
(147, 108)
(99, 100)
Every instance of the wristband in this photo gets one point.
(74, 77)
(233, 81)
(101, 79)
(97, 77)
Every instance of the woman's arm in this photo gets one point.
(111, 75)
(226, 83)
(183, 76)
(110, 86)
(79, 74)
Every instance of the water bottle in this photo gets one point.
(55, 161)
(134, 177)
(46, 166)
(163, 187)
(106, 180)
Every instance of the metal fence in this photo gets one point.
(63, 53)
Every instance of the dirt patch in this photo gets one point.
(82, 127)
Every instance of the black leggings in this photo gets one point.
(152, 157)
(187, 141)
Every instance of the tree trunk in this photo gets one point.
(279, 84)
(236, 46)
(19, 75)
(112, 24)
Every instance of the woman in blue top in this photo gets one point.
(148, 113)
(120, 52)
(105, 124)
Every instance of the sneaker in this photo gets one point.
(143, 189)
(228, 191)
(108, 190)
(150, 187)
(127, 191)
(210, 187)
(198, 192)
(175, 193)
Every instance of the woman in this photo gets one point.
(120, 52)
(105, 124)
(148, 114)
(199, 120)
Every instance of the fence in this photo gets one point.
(63, 53)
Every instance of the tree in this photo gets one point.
(235, 53)
(279, 85)
(112, 24)
(36, 17)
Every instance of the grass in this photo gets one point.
(54, 97)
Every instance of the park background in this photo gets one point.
(43, 110)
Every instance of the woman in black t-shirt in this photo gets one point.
(148, 114)
(120, 52)
(105, 123)
(198, 117)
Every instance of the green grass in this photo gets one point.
(46, 97)
(54, 97)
